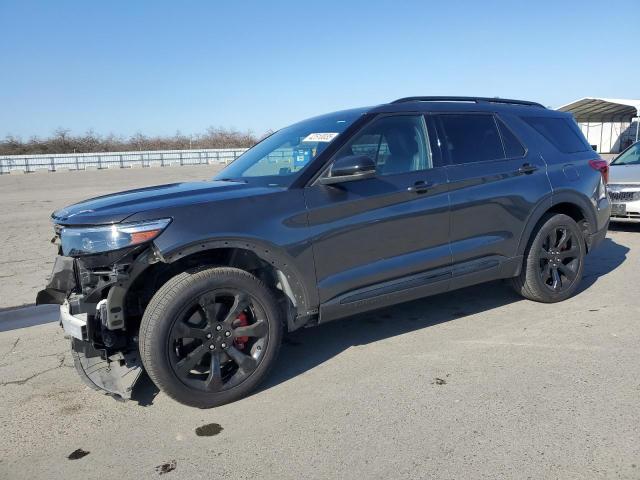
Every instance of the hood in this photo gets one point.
(116, 207)
(624, 174)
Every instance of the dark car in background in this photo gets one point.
(333, 216)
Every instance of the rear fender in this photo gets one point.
(547, 204)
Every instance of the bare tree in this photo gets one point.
(63, 141)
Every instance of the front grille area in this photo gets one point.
(625, 186)
(624, 196)
(629, 215)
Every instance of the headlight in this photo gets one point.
(89, 240)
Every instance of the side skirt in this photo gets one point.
(419, 285)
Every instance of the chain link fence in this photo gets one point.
(83, 161)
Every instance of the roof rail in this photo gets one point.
(468, 99)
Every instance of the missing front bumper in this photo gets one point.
(116, 374)
(114, 369)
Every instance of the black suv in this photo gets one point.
(332, 216)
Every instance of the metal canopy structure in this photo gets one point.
(610, 124)
(602, 109)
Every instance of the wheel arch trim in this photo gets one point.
(266, 251)
(547, 204)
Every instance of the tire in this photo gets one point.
(201, 295)
(544, 254)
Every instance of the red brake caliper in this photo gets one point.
(241, 321)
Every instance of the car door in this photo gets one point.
(371, 237)
(494, 185)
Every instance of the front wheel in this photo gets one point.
(554, 261)
(209, 337)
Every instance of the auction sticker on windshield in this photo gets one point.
(320, 137)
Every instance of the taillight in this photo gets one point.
(602, 166)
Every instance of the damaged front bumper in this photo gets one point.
(115, 374)
(62, 282)
(105, 351)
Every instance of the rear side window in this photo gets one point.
(561, 132)
(470, 138)
(512, 146)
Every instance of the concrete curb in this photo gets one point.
(28, 316)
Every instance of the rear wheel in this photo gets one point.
(209, 337)
(554, 261)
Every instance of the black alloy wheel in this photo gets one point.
(553, 261)
(209, 336)
(560, 259)
(219, 341)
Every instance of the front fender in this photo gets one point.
(269, 253)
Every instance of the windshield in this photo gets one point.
(280, 157)
(630, 157)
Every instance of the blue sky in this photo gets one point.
(157, 67)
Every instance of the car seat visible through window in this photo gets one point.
(403, 150)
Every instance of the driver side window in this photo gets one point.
(396, 144)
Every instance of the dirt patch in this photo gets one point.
(78, 454)
(209, 430)
(440, 381)
(166, 467)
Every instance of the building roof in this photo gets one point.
(602, 109)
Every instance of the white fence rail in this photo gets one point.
(83, 161)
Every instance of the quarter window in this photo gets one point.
(560, 132)
(397, 144)
(470, 138)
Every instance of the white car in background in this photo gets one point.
(624, 185)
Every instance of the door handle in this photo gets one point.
(420, 187)
(526, 169)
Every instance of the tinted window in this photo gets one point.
(561, 132)
(512, 146)
(470, 138)
(396, 144)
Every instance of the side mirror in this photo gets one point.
(348, 169)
